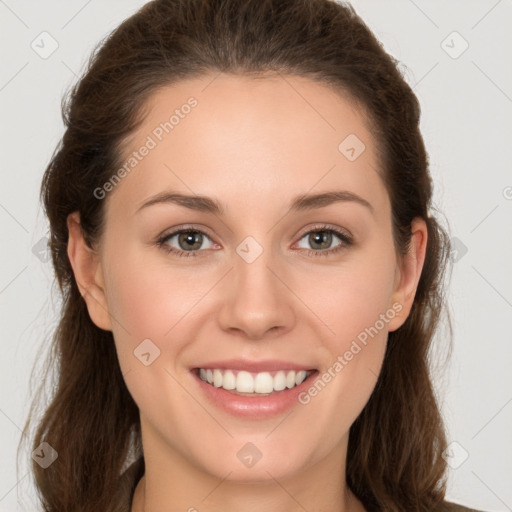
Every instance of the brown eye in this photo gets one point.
(321, 240)
(184, 242)
(190, 240)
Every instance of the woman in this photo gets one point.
(240, 214)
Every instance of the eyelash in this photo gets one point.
(344, 237)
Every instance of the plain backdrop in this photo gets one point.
(456, 55)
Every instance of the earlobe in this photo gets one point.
(88, 273)
(409, 272)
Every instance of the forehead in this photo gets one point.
(244, 137)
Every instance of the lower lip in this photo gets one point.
(255, 407)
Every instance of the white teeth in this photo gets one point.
(245, 382)
(290, 379)
(279, 381)
(229, 380)
(301, 375)
(217, 378)
(263, 383)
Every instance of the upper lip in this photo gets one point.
(254, 366)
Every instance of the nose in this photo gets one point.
(256, 299)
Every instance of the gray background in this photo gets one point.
(466, 102)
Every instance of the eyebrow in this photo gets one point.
(300, 203)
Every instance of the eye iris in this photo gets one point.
(190, 237)
(320, 237)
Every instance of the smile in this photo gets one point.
(250, 383)
(253, 390)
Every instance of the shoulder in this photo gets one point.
(448, 506)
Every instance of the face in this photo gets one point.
(250, 278)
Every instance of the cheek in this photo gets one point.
(148, 299)
(355, 306)
(144, 305)
(150, 310)
(352, 299)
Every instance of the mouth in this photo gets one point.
(253, 390)
(244, 383)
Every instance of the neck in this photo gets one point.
(275, 497)
(172, 483)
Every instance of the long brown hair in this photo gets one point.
(394, 460)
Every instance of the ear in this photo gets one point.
(408, 273)
(88, 272)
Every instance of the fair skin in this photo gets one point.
(253, 145)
